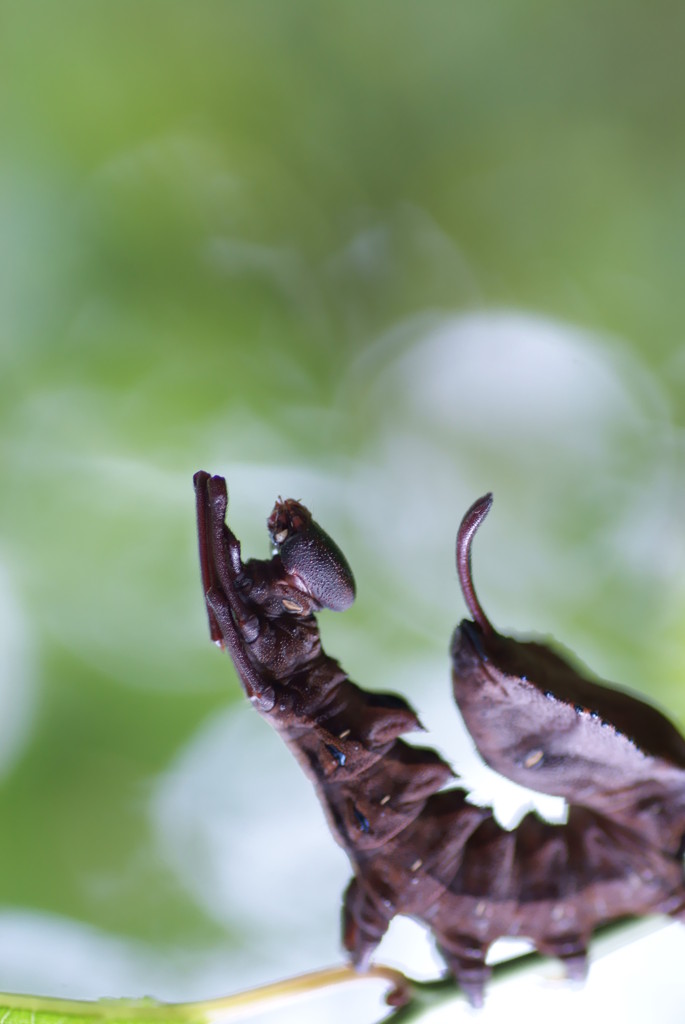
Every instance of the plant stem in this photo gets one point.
(225, 1009)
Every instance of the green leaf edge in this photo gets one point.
(28, 1009)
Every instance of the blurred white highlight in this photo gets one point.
(17, 675)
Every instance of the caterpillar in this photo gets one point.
(415, 847)
(537, 719)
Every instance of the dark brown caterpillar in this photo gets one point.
(414, 847)
(537, 720)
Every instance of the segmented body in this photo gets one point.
(541, 721)
(415, 848)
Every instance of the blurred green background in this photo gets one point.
(379, 257)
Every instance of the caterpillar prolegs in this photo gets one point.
(416, 847)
